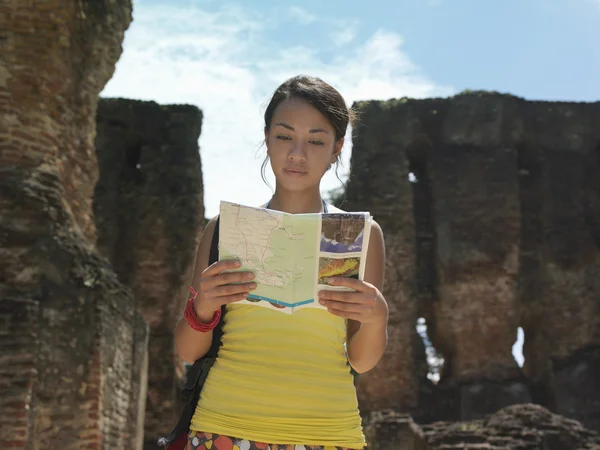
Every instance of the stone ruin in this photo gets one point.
(517, 427)
(73, 347)
(498, 228)
(149, 212)
(491, 209)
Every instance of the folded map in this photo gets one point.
(292, 255)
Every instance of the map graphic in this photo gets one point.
(288, 252)
(279, 248)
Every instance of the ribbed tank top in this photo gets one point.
(281, 379)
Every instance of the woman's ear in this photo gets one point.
(337, 149)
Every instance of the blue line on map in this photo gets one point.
(279, 302)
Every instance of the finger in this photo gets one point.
(233, 298)
(342, 306)
(347, 314)
(220, 266)
(210, 282)
(342, 296)
(353, 283)
(232, 289)
(232, 277)
(357, 285)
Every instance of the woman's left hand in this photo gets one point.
(365, 305)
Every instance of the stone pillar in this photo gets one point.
(458, 220)
(560, 281)
(69, 331)
(149, 210)
(476, 211)
(506, 216)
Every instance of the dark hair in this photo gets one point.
(324, 97)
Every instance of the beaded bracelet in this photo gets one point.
(192, 318)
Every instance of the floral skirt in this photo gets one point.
(198, 440)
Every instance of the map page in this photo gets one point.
(292, 255)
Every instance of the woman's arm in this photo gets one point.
(216, 285)
(191, 344)
(366, 342)
(365, 309)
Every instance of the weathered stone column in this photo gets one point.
(458, 224)
(149, 210)
(71, 343)
(473, 170)
(506, 215)
(560, 279)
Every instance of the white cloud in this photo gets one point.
(224, 63)
(302, 15)
(345, 33)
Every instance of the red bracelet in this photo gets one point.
(192, 318)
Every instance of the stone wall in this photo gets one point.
(71, 343)
(501, 218)
(149, 211)
(516, 427)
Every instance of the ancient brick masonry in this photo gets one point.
(502, 227)
(72, 347)
(149, 212)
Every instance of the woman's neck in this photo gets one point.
(296, 202)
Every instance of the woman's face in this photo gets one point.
(301, 144)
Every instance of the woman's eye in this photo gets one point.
(283, 138)
(317, 142)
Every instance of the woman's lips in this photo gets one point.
(295, 172)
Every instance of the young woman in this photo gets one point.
(282, 381)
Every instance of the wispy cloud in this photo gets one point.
(302, 15)
(345, 33)
(226, 63)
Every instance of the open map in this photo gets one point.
(292, 255)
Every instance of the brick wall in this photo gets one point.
(69, 331)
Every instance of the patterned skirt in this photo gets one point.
(198, 440)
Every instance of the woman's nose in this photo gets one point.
(297, 152)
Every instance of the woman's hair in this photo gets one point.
(322, 96)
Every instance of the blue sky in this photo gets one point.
(228, 57)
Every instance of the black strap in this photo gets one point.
(198, 372)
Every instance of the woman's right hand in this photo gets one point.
(216, 289)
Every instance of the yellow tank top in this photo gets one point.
(281, 379)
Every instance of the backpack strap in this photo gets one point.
(197, 373)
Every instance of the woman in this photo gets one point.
(282, 380)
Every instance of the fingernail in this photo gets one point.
(322, 302)
(249, 275)
(331, 280)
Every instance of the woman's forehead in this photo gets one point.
(298, 112)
